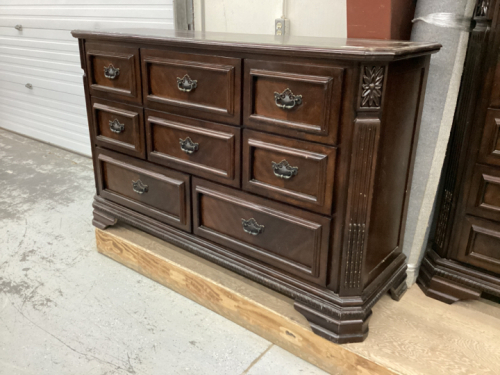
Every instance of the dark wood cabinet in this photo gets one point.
(463, 258)
(286, 160)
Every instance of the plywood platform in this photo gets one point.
(417, 335)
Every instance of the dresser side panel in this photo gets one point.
(404, 93)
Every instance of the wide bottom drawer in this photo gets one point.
(155, 191)
(285, 237)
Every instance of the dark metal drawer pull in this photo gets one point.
(186, 84)
(251, 226)
(139, 187)
(116, 127)
(111, 72)
(188, 146)
(286, 99)
(284, 170)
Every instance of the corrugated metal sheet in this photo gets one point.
(45, 55)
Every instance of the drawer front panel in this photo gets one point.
(119, 127)
(114, 72)
(484, 197)
(479, 243)
(278, 235)
(295, 172)
(201, 86)
(202, 148)
(155, 191)
(489, 152)
(301, 101)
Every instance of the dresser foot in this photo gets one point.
(442, 288)
(399, 288)
(340, 331)
(447, 291)
(103, 220)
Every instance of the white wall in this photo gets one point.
(307, 17)
(45, 55)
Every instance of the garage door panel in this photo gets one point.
(44, 54)
(51, 114)
(61, 35)
(79, 23)
(75, 78)
(95, 11)
(62, 97)
(76, 128)
(43, 64)
(41, 54)
(43, 101)
(52, 45)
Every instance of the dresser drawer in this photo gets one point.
(295, 172)
(119, 127)
(208, 87)
(478, 243)
(489, 151)
(287, 238)
(152, 190)
(198, 147)
(114, 72)
(301, 101)
(484, 196)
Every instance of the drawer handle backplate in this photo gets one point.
(251, 226)
(188, 146)
(186, 84)
(111, 72)
(140, 187)
(116, 127)
(284, 170)
(287, 100)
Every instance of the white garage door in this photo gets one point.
(43, 54)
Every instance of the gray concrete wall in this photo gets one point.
(439, 107)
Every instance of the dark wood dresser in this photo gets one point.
(286, 160)
(463, 259)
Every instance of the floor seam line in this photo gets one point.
(257, 359)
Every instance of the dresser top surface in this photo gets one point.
(269, 44)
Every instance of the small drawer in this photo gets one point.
(114, 72)
(301, 101)
(152, 190)
(207, 87)
(489, 152)
(119, 127)
(295, 172)
(478, 243)
(202, 148)
(484, 196)
(274, 234)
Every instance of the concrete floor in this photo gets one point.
(65, 309)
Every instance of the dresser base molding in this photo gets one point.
(449, 281)
(338, 319)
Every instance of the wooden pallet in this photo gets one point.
(398, 331)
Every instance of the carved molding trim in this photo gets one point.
(363, 162)
(433, 269)
(371, 86)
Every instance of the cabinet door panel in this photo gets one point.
(484, 197)
(479, 243)
(489, 152)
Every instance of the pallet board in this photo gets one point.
(405, 337)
